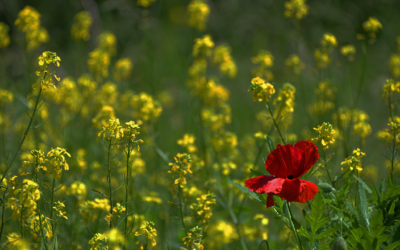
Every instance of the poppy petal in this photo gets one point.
(284, 161)
(270, 200)
(256, 184)
(310, 156)
(308, 190)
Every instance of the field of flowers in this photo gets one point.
(199, 124)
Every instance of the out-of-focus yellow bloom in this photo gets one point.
(389, 89)
(193, 239)
(77, 189)
(152, 197)
(216, 121)
(29, 22)
(6, 97)
(105, 114)
(264, 220)
(39, 224)
(187, 142)
(16, 242)
(361, 126)
(203, 207)
(372, 26)
(223, 233)
(98, 63)
(90, 209)
(28, 194)
(263, 60)
(286, 98)
(198, 68)
(81, 27)
(343, 117)
(198, 12)
(115, 237)
(145, 107)
(262, 91)
(98, 242)
(394, 64)
(348, 51)
(145, 3)
(322, 58)
(107, 94)
(116, 213)
(294, 64)
(4, 38)
(58, 209)
(354, 161)
(325, 99)
(392, 133)
(214, 94)
(329, 41)
(296, 9)
(179, 170)
(222, 56)
(325, 135)
(203, 46)
(149, 233)
(122, 69)
(107, 42)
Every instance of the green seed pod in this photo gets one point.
(326, 188)
(339, 244)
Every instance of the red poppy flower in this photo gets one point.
(287, 164)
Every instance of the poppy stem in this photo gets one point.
(276, 125)
(293, 228)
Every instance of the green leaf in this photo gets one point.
(396, 235)
(270, 144)
(327, 233)
(393, 245)
(256, 172)
(364, 185)
(392, 207)
(376, 195)
(101, 193)
(324, 245)
(245, 189)
(363, 205)
(317, 210)
(303, 232)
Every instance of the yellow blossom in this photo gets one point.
(198, 12)
(296, 9)
(262, 91)
(122, 69)
(325, 135)
(372, 26)
(4, 37)
(81, 27)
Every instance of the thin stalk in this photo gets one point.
(41, 227)
(326, 168)
(2, 213)
(276, 125)
(181, 208)
(394, 139)
(22, 220)
(294, 229)
(128, 154)
(51, 204)
(109, 177)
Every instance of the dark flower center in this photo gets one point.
(290, 177)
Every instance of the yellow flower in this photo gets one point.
(4, 38)
(6, 97)
(222, 56)
(322, 58)
(81, 27)
(349, 51)
(179, 169)
(262, 91)
(372, 26)
(294, 64)
(354, 161)
(325, 135)
(296, 9)
(329, 40)
(198, 12)
(98, 242)
(145, 3)
(122, 69)
(203, 46)
(148, 231)
(193, 239)
(28, 19)
(203, 207)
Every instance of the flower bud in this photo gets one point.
(339, 244)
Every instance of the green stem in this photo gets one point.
(51, 204)
(293, 228)
(276, 125)
(327, 170)
(362, 77)
(109, 177)
(181, 208)
(2, 213)
(128, 154)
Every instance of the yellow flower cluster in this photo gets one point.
(145, 107)
(216, 121)
(203, 207)
(80, 29)
(394, 64)
(222, 56)
(16, 242)
(122, 69)
(389, 89)
(4, 38)
(117, 211)
(354, 161)
(58, 209)
(294, 64)
(98, 242)
(348, 51)
(223, 233)
(328, 41)
(264, 60)
(29, 22)
(57, 160)
(325, 93)
(77, 189)
(262, 90)
(103, 116)
(203, 46)
(179, 170)
(296, 9)
(39, 223)
(113, 130)
(187, 142)
(389, 135)
(152, 197)
(148, 231)
(372, 26)
(361, 125)
(285, 99)
(89, 209)
(99, 59)
(26, 195)
(145, 3)
(45, 78)
(197, 12)
(6, 97)
(193, 239)
(325, 135)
